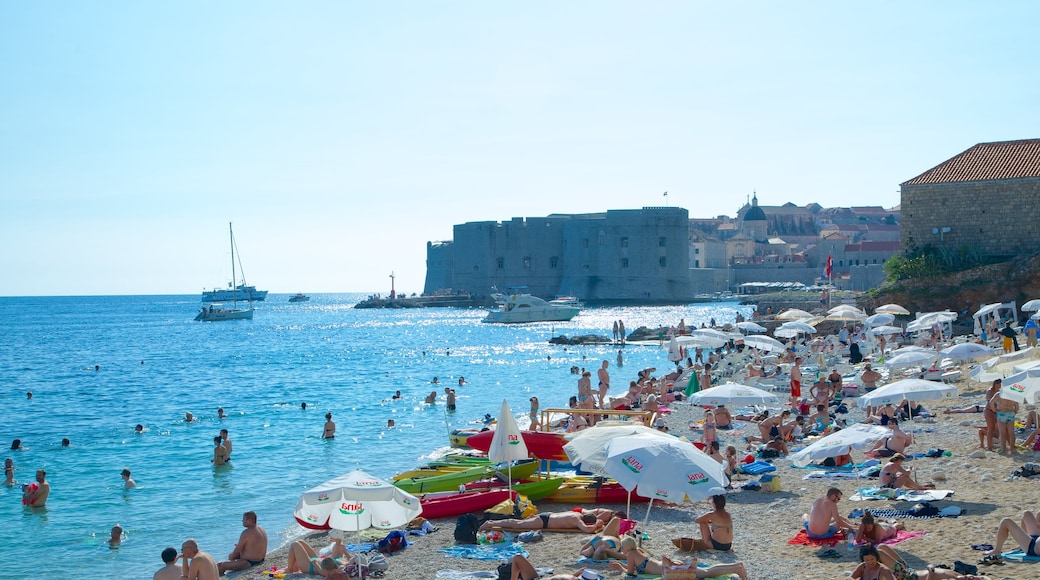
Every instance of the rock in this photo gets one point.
(939, 475)
(986, 477)
(977, 454)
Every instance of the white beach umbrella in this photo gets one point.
(846, 308)
(588, 447)
(879, 319)
(1031, 306)
(799, 326)
(892, 309)
(966, 351)
(1023, 387)
(885, 330)
(354, 502)
(748, 326)
(705, 337)
(987, 309)
(847, 316)
(793, 314)
(907, 389)
(841, 442)
(666, 469)
(786, 333)
(507, 444)
(733, 394)
(925, 321)
(764, 343)
(911, 359)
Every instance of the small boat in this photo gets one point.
(540, 444)
(241, 293)
(591, 490)
(535, 488)
(518, 306)
(218, 312)
(300, 297)
(459, 437)
(452, 504)
(452, 480)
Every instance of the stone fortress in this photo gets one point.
(662, 255)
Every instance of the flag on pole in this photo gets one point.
(830, 263)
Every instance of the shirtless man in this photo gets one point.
(226, 442)
(548, 521)
(170, 571)
(824, 520)
(219, 454)
(835, 381)
(897, 442)
(196, 564)
(796, 381)
(869, 378)
(128, 482)
(450, 395)
(251, 548)
(770, 427)
(723, 418)
(330, 428)
(37, 497)
(604, 382)
(8, 471)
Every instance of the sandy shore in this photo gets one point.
(765, 521)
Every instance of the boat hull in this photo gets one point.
(533, 489)
(583, 490)
(540, 444)
(240, 293)
(451, 481)
(219, 314)
(435, 506)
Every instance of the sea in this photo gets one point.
(97, 366)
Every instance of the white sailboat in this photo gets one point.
(216, 312)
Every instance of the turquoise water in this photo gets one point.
(156, 363)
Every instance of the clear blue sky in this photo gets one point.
(340, 137)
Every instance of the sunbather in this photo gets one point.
(716, 527)
(547, 521)
(606, 544)
(874, 532)
(639, 561)
(522, 569)
(895, 475)
(902, 571)
(1025, 535)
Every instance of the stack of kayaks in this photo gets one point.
(582, 489)
(452, 479)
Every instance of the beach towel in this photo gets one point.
(485, 552)
(901, 536)
(449, 574)
(872, 493)
(901, 514)
(802, 539)
(1019, 556)
(862, 474)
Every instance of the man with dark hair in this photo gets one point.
(251, 548)
(170, 571)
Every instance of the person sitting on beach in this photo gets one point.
(639, 561)
(824, 520)
(774, 448)
(522, 569)
(897, 442)
(770, 426)
(716, 527)
(547, 521)
(820, 421)
(880, 415)
(875, 532)
(895, 475)
(1025, 535)
(908, 410)
(251, 548)
(793, 430)
(651, 404)
(756, 418)
(712, 450)
(170, 570)
(723, 419)
(732, 462)
(196, 564)
(870, 567)
(577, 423)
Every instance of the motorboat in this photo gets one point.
(300, 297)
(241, 293)
(219, 312)
(517, 306)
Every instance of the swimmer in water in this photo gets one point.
(220, 413)
(188, 417)
(128, 482)
(389, 423)
(330, 428)
(431, 399)
(116, 537)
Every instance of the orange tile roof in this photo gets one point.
(986, 162)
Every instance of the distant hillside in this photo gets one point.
(1015, 280)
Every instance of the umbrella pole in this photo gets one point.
(628, 506)
(646, 521)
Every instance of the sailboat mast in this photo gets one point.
(234, 283)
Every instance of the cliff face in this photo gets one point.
(1016, 280)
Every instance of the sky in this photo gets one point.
(340, 137)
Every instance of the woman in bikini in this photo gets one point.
(875, 532)
(639, 561)
(870, 567)
(303, 554)
(709, 429)
(716, 527)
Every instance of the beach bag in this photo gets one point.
(466, 529)
(377, 564)
(393, 542)
(769, 483)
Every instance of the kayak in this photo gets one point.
(540, 444)
(586, 490)
(459, 438)
(534, 489)
(452, 480)
(453, 504)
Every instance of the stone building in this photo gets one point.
(983, 200)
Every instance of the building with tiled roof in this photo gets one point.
(983, 200)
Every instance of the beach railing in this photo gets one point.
(646, 418)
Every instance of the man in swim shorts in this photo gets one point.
(824, 520)
(251, 548)
(604, 382)
(547, 521)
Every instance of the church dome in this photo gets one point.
(755, 213)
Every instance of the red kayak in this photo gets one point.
(452, 504)
(540, 444)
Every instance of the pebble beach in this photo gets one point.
(764, 522)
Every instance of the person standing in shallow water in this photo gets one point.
(219, 453)
(330, 428)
